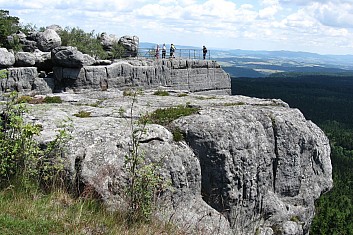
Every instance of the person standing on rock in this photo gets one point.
(172, 50)
(164, 51)
(157, 52)
(204, 52)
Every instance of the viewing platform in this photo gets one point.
(191, 54)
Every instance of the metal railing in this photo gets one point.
(195, 54)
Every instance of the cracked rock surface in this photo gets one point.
(245, 166)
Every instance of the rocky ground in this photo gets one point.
(245, 166)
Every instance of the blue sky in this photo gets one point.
(324, 27)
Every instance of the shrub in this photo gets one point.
(131, 92)
(17, 146)
(144, 180)
(52, 99)
(118, 51)
(24, 99)
(21, 157)
(87, 43)
(82, 114)
(161, 93)
(3, 73)
(8, 26)
(167, 115)
(177, 134)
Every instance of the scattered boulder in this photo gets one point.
(7, 59)
(130, 44)
(107, 41)
(48, 40)
(67, 56)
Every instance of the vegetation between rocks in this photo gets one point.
(144, 182)
(164, 116)
(83, 114)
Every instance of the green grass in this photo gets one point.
(23, 212)
(167, 115)
(52, 99)
(83, 114)
(161, 93)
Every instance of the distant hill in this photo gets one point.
(248, 63)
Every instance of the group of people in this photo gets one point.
(172, 51)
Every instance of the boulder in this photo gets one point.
(25, 59)
(48, 40)
(107, 41)
(70, 57)
(130, 44)
(7, 59)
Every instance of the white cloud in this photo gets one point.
(334, 14)
(220, 22)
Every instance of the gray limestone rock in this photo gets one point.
(48, 40)
(19, 79)
(130, 43)
(70, 57)
(7, 59)
(260, 163)
(43, 61)
(107, 41)
(254, 167)
(25, 59)
(176, 74)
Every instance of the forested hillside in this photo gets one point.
(327, 100)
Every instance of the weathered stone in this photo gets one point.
(258, 164)
(19, 79)
(146, 74)
(130, 44)
(70, 57)
(25, 59)
(7, 59)
(107, 41)
(43, 61)
(48, 40)
(29, 45)
(103, 62)
(43, 86)
(252, 168)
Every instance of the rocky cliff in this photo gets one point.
(75, 71)
(246, 165)
(176, 74)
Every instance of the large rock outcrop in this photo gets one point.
(246, 166)
(178, 74)
(73, 71)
